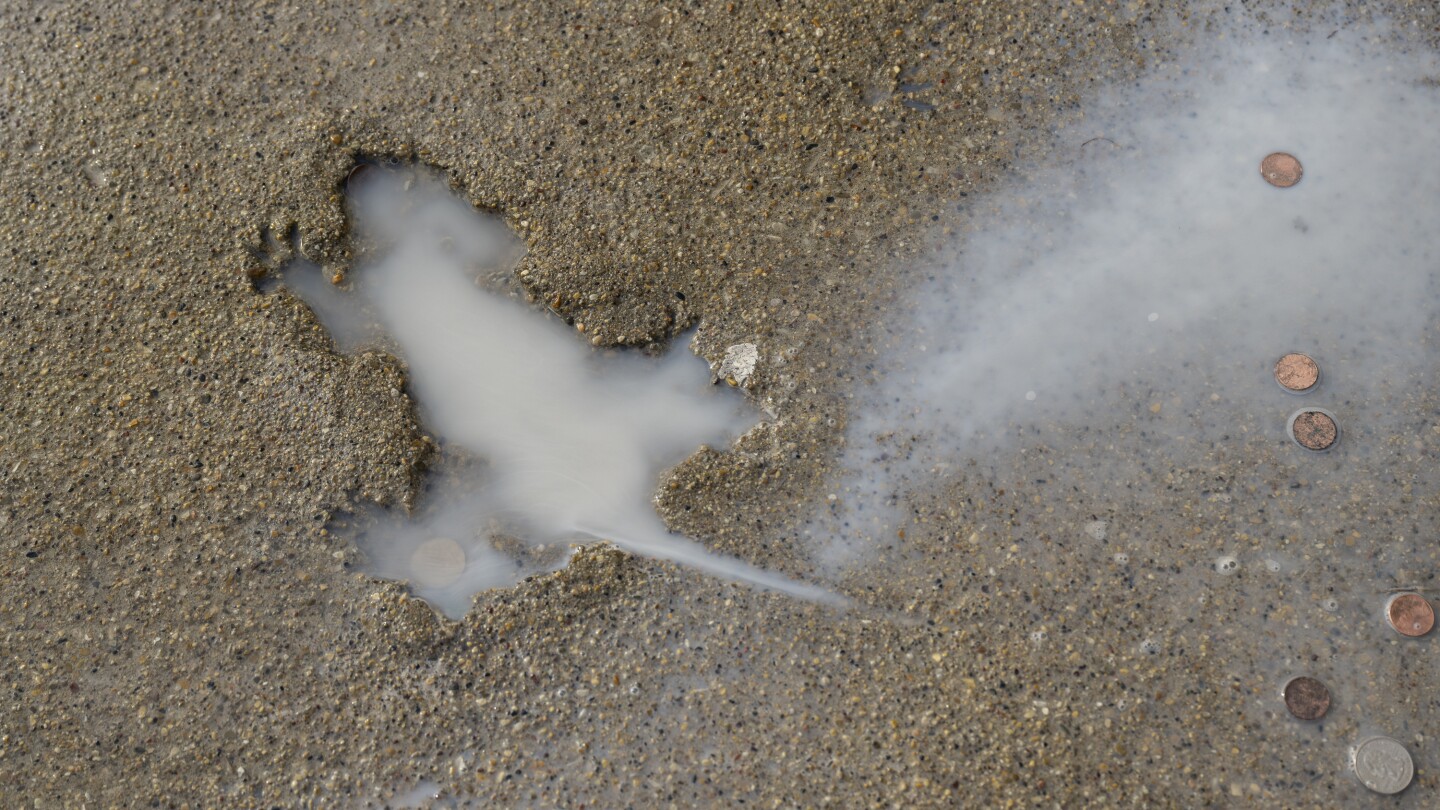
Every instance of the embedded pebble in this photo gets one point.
(739, 363)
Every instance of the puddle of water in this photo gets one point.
(572, 440)
(424, 795)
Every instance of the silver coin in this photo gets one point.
(437, 563)
(1383, 765)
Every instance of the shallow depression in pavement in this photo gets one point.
(545, 441)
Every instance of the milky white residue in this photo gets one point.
(570, 442)
(1149, 271)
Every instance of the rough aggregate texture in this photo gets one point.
(179, 627)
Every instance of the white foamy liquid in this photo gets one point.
(573, 440)
(1151, 260)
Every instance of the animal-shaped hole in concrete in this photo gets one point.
(572, 439)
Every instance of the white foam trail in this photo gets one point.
(573, 441)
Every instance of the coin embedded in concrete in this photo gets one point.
(1306, 698)
(1383, 764)
(1410, 614)
(1281, 169)
(1297, 373)
(1314, 429)
(358, 176)
(437, 563)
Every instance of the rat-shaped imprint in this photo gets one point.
(573, 439)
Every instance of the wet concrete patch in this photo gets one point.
(1102, 342)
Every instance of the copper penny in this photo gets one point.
(1297, 373)
(1306, 698)
(1410, 614)
(1281, 169)
(1314, 430)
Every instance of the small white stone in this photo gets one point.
(739, 363)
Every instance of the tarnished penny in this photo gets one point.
(1306, 698)
(437, 563)
(1314, 429)
(1281, 169)
(1383, 765)
(1410, 614)
(1297, 373)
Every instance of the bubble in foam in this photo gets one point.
(1226, 564)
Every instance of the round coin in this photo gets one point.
(1410, 614)
(1306, 698)
(1314, 429)
(437, 563)
(1383, 765)
(1281, 169)
(1297, 373)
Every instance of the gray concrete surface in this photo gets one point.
(179, 627)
